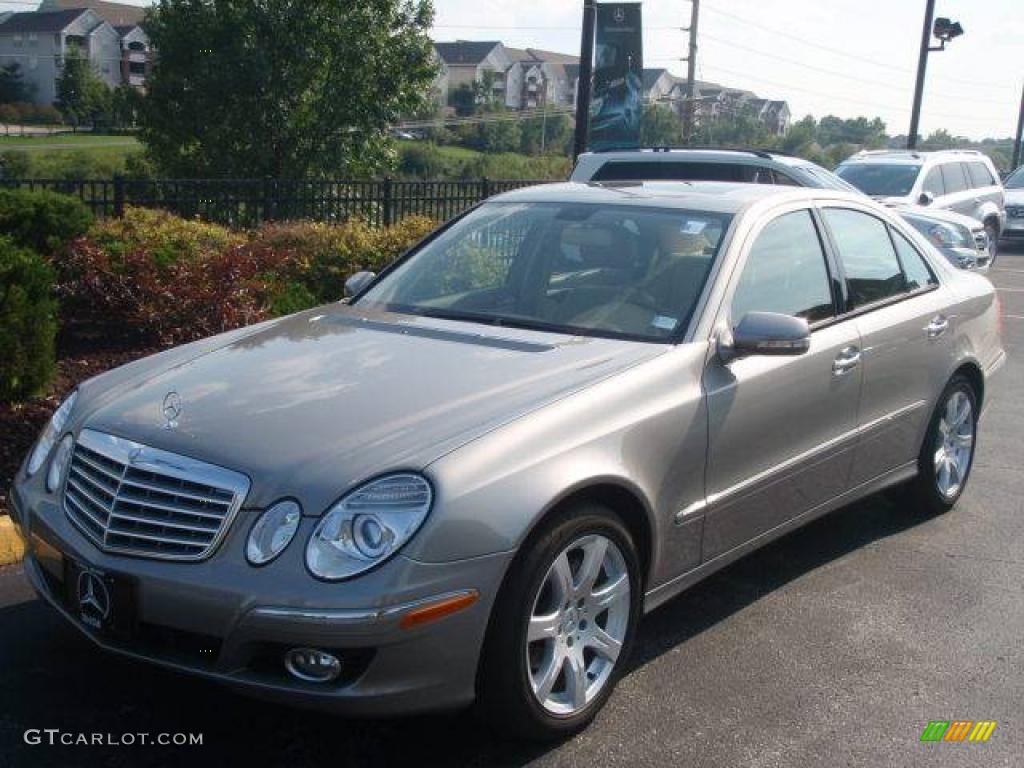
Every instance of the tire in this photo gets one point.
(992, 230)
(928, 492)
(512, 666)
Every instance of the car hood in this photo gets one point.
(940, 215)
(1015, 197)
(315, 403)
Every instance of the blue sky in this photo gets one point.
(843, 57)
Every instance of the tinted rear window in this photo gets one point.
(980, 175)
(675, 171)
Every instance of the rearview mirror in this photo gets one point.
(767, 333)
(926, 198)
(358, 282)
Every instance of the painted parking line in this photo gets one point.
(1011, 290)
(1014, 317)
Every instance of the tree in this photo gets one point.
(81, 95)
(283, 88)
(12, 87)
(660, 127)
(545, 133)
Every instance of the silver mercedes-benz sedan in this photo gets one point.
(469, 481)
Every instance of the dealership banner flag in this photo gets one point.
(617, 98)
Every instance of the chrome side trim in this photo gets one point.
(719, 498)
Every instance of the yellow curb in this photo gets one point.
(12, 548)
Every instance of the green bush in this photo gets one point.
(28, 322)
(43, 221)
(173, 280)
(16, 165)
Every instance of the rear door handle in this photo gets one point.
(938, 326)
(846, 361)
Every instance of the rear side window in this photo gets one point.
(872, 270)
(933, 183)
(981, 176)
(785, 272)
(917, 271)
(953, 177)
(675, 171)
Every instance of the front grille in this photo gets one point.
(133, 499)
(1015, 211)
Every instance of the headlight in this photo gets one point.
(273, 532)
(947, 236)
(59, 465)
(368, 526)
(48, 438)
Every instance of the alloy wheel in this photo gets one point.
(954, 444)
(578, 624)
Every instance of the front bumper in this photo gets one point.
(226, 621)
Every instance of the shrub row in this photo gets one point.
(173, 280)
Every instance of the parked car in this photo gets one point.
(960, 180)
(1014, 229)
(471, 481)
(953, 234)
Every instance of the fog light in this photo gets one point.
(312, 665)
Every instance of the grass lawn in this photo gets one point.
(68, 155)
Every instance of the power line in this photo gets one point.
(833, 72)
(836, 51)
(872, 104)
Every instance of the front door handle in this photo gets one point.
(846, 361)
(938, 326)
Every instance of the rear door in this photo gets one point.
(959, 196)
(781, 429)
(906, 331)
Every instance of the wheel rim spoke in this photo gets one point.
(543, 627)
(576, 679)
(561, 575)
(542, 686)
(604, 644)
(611, 594)
(593, 560)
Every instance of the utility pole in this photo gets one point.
(586, 71)
(691, 72)
(922, 64)
(1020, 133)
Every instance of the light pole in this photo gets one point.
(586, 70)
(943, 29)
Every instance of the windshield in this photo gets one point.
(619, 271)
(815, 176)
(1016, 179)
(880, 179)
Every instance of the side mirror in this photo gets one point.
(358, 282)
(767, 333)
(926, 198)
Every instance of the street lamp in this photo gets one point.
(944, 30)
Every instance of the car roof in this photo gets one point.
(712, 196)
(750, 156)
(915, 156)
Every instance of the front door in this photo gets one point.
(781, 429)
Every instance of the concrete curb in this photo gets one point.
(12, 548)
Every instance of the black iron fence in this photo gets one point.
(250, 202)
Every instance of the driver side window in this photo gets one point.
(785, 272)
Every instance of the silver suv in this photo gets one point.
(961, 180)
(961, 239)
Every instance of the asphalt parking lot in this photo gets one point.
(835, 646)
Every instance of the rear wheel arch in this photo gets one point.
(972, 372)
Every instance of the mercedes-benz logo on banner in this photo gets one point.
(619, 15)
(93, 597)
